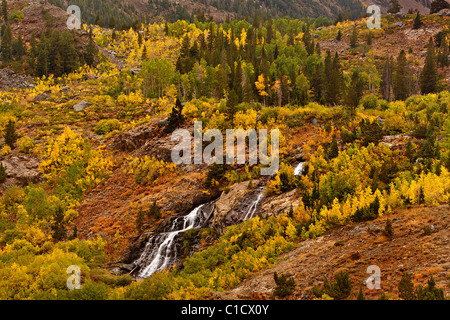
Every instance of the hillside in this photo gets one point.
(143, 10)
(356, 247)
(88, 175)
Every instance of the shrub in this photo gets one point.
(147, 169)
(370, 101)
(367, 213)
(107, 125)
(406, 287)
(285, 285)
(10, 134)
(340, 288)
(25, 144)
(429, 292)
(5, 151)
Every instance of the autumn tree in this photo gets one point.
(156, 74)
(261, 85)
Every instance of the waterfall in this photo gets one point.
(161, 249)
(298, 169)
(254, 205)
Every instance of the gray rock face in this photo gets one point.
(133, 139)
(80, 106)
(21, 170)
(11, 80)
(444, 13)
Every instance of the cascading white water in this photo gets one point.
(160, 250)
(254, 206)
(298, 169)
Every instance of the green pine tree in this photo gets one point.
(6, 46)
(354, 38)
(176, 117)
(429, 74)
(10, 134)
(400, 82)
(417, 21)
(5, 11)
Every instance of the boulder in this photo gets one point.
(80, 106)
(89, 76)
(42, 97)
(21, 170)
(443, 13)
(133, 139)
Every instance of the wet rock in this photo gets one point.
(232, 206)
(275, 205)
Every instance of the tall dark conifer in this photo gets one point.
(401, 77)
(429, 74)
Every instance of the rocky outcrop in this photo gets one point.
(443, 13)
(278, 204)
(233, 205)
(11, 80)
(21, 170)
(133, 139)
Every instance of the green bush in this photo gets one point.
(107, 125)
(25, 144)
(285, 286)
(340, 288)
(370, 101)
